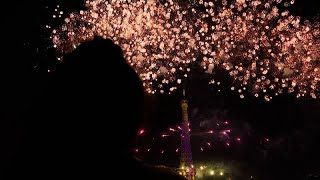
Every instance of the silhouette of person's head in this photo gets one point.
(95, 99)
(87, 119)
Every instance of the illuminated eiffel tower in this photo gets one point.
(186, 167)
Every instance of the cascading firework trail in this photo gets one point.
(265, 50)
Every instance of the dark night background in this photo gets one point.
(293, 124)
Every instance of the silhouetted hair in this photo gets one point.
(96, 78)
(85, 121)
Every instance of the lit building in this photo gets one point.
(186, 167)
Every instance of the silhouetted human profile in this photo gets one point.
(84, 124)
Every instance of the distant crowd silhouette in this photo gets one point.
(83, 124)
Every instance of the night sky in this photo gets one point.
(26, 58)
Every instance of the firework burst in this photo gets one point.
(215, 133)
(158, 40)
(265, 50)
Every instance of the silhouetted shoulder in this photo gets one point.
(162, 173)
(142, 170)
(166, 173)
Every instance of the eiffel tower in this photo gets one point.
(186, 167)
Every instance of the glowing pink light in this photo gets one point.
(149, 150)
(136, 150)
(171, 129)
(179, 127)
(226, 122)
(201, 148)
(162, 151)
(267, 139)
(164, 135)
(210, 132)
(238, 139)
(141, 132)
(208, 143)
(177, 150)
(228, 144)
